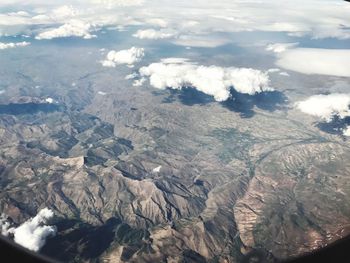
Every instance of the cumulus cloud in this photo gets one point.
(335, 62)
(4, 225)
(74, 28)
(153, 34)
(280, 47)
(49, 100)
(13, 45)
(127, 56)
(108, 63)
(326, 107)
(31, 234)
(178, 73)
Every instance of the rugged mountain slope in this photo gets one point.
(145, 180)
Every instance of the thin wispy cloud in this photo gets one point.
(280, 47)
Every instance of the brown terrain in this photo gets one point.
(157, 176)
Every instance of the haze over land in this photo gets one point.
(174, 131)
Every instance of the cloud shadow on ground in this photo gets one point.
(244, 104)
(336, 126)
(28, 108)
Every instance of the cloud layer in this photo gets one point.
(153, 34)
(216, 81)
(280, 47)
(13, 45)
(335, 62)
(127, 56)
(31, 234)
(315, 18)
(326, 107)
(74, 28)
(113, 3)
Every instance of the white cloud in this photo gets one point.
(334, 62)
(108, 63)
(157, 169)
(20, 13)
(280, 47)
(40, 17)
(318, 19)
(174, 60)
(61, 14)
(13, 45)
(4, 225)
(284, 74)
(74, 28)
(200, 41)
(157, 22)
(138, 82)
(273, 70)
(111, 3)
(49, 100)
(64, 11)
(31, 234)
(326, 106)
(346, 131)
(11, 19)
(212, 80)
(153, 34)
(315, 18)
(127, 56)
(131, 76)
